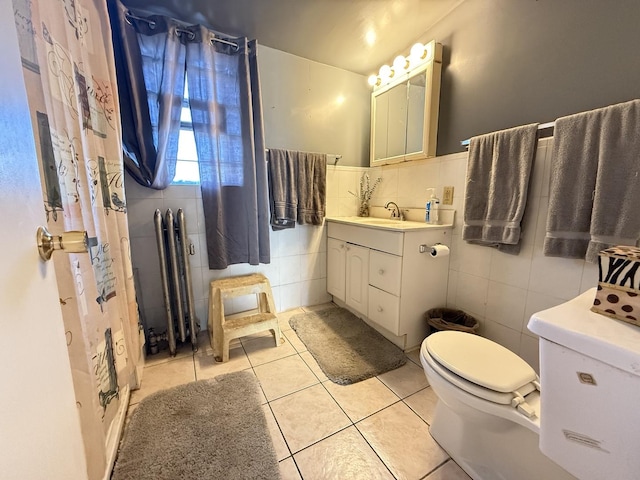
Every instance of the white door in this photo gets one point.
(336, 268)
(357, 286)
(39, 426)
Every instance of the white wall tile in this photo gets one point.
(245, 303)
(471, 294)
(559, 277)
(511, 269)
(290, 296)
(589, 277)
(135, 191)
(505, 336)
(314, 292)
(288, 242)
(506, 305)
(140, 214)
(473, 259)
(312, 238)
(173, 192)
(530, 352)
(536, 302)
(289, 269)
(452, 289)
(312, 266)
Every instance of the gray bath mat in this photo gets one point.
(347, 349)
(207, 429)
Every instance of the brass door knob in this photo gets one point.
(70, 242)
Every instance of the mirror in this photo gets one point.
(404, 114)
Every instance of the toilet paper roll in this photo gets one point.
(439, 251)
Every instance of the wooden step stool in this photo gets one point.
(224, 328)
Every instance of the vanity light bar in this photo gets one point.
(419, 54)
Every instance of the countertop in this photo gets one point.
(387, 223)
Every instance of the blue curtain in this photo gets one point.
(152, 56)
(150, 66)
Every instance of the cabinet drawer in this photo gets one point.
(385, 271)
(384, 309)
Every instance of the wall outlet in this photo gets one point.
(447, 196)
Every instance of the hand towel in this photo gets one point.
(497, 183)
(283, 192)
(594, 191)
(297, 188)
(312, 187)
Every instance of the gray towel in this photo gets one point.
(312, 187)
(297, 188)
(594, 182)
(283, 192)
(498, 174)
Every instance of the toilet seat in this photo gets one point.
(482, 368)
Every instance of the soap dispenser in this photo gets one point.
(432, 214)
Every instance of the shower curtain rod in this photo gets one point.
(336, 158)
(545, 130)
(179, 31)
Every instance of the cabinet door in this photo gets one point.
(357, 286)
(336, 268)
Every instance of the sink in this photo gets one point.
(380, 221)
(386, 223)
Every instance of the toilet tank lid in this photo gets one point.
(574, 326)
(480, 361)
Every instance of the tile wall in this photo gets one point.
(500, 290)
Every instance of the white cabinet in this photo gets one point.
(336, 268)
(382, 276)
(347, 273)
(357, 274)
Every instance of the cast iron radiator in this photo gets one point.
(175, 273)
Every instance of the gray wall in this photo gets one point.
(508, 63)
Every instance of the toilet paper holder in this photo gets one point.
(432, 250)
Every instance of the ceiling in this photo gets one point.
(355, 35)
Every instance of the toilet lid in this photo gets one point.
(480, 361)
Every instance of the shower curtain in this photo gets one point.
(69, 74)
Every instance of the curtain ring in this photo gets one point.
(128, 15)
(180, 31)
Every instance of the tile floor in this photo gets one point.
(375, 429)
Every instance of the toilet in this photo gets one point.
(499, 421)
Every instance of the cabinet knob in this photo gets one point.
(380, 309)
(381, 271)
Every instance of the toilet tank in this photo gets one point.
(590, 395)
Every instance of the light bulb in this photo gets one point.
(428, 51)
(385, 72)
(374, 80)
(418, 52)
(400, 63)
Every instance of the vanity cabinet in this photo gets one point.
(382, 276)
(347, 273)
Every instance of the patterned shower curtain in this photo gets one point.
(69, 73)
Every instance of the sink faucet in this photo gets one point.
(395, 210)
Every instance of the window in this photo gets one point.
(187, 172)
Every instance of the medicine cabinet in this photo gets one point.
(404, 113)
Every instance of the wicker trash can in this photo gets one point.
(450, 319)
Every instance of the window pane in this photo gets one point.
(185, 115)
(187, 145)
(186, 172)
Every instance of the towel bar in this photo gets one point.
(545, 130)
